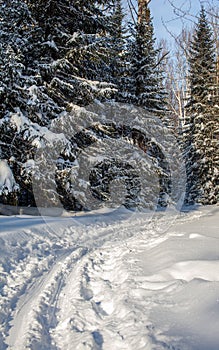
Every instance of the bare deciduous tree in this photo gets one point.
(175, 67)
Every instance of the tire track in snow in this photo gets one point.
(19, 269)
(93, 307)
(73, 263)
(36, 314)
(94, 236)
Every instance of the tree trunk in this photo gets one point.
(143, 11)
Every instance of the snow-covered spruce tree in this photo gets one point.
(118, 38)
(75, 32)
(51, 54)
(143, 80)
(23, 97)
(21, 86)
(77, 68)
(12, 42)
(202, 121)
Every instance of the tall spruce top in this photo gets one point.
(201, 60)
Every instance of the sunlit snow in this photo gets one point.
(7, 181)
(110, 281)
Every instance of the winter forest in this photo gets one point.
(57, 58)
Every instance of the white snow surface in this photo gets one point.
(110, 281)
(7, 181)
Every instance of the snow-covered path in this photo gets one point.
(120, 284)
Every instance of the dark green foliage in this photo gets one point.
(73, 33)
(202, 65)
(52, 54)
(200, 130)
(108, 170)
(56, 54)
(21, 87)
(143, 78)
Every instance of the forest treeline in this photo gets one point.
(58, 54)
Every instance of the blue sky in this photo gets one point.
(162, 11)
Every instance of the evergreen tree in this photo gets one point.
(51, 54)
(118, 39)
(13, 34)
(23, 97)
(75, 33)
(57, 54)
(143, 81)
(202, 123)
(21, 86)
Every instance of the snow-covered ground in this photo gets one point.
(110, 281)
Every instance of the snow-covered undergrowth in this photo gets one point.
(7, 181)
(101, 282)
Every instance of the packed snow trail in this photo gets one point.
(82, 284)
(32, 251)
(47, 252)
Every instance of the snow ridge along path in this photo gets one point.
(81, 284)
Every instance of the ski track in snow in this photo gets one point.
(35, 306)
(67, 287)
